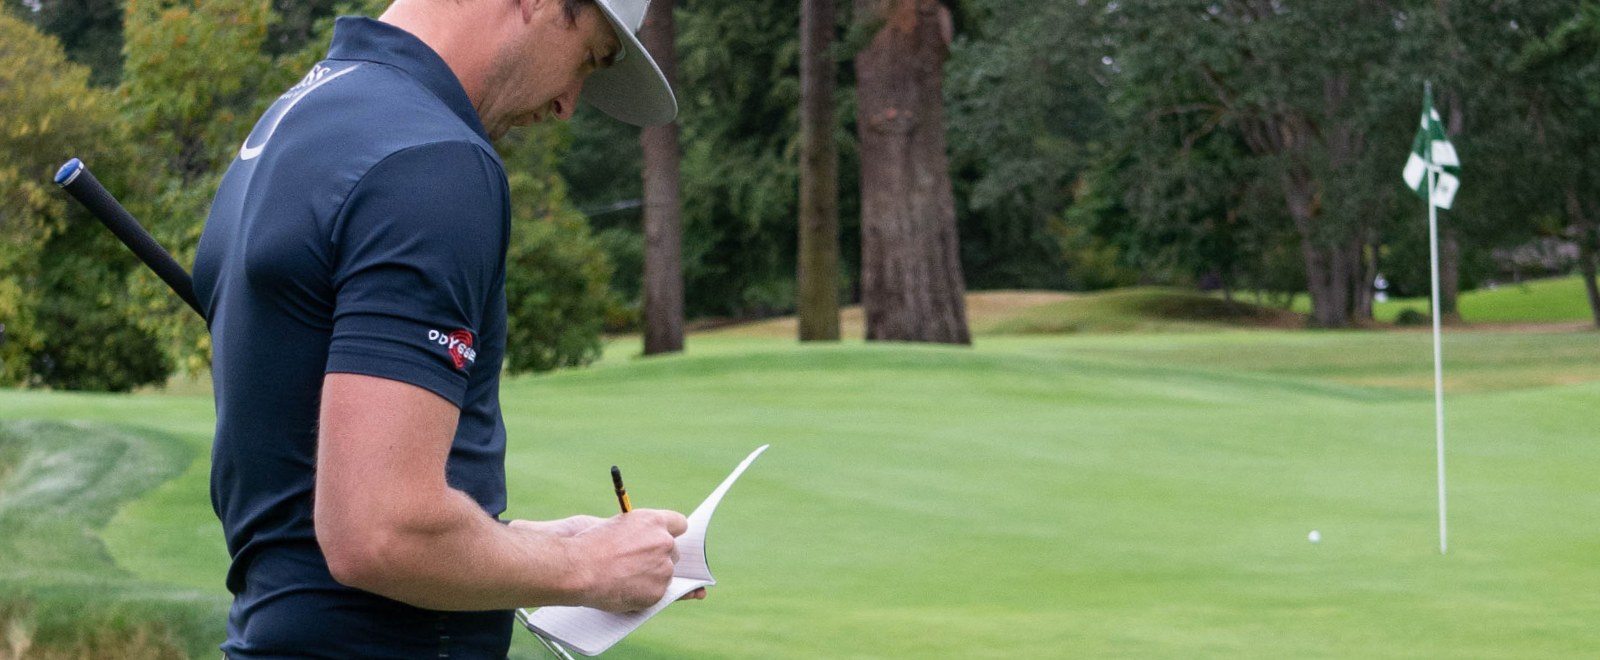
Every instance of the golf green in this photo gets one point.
(1113, 495)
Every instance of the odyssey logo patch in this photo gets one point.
(458, 344)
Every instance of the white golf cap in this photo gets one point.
(632, 90)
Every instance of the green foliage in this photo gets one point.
(740, 73)
(558, 276)
(1026, 93)
(738, 86)
(1412, 317)
(195, 79)
(66, 313)
(1162, 134)
(1560, 85)
(79, 311)
(90, 31)
(88, 340)
(557, 294)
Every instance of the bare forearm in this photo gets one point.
(452, 556)
(389, 523)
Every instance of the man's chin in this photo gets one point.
(500, 130)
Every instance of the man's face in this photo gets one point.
(539, 72)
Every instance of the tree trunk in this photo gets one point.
(1329, 290)
(663, 222)
(911, 282)
(1449, 241)
(1588, 266)
(1449, 273)
(1587, 262)
(1364, 270)
(819, 177)
(1587, 235)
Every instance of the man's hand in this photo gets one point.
(576, 525)
(627, 560)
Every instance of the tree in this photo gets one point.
(89, 30)
(819, 177)
(1468, 51)
(557, 275)
(1308, 103)
(1026, 90)
(68, 320)
(911, 279)
(1562, 77)
(663, 222)
(194, 81)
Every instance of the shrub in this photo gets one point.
(63, 292)
(1409, 316)
(557, 294)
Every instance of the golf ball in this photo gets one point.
(1314, 537)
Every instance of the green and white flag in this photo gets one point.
(1431, 150)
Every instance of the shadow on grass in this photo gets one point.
(61, 595)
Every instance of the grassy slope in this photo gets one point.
(1037, 496)
(59, 485)
(1142, 309)
(985, 311)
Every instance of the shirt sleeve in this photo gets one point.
(419, 243)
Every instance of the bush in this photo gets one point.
(63, 279)
(94, 349)
(1409, 316)
(558, 277)
(557, 294)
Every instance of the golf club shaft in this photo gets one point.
(75, 178)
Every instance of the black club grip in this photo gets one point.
(75, 178)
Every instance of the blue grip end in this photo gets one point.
(68, 172)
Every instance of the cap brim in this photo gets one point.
(633, 90)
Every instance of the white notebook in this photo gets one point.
(590, 631)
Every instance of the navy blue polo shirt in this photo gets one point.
(362, 229)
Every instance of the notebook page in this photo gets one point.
(692, 543)
(590, 631)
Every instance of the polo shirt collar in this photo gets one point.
(369, 40)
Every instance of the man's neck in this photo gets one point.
(438, 24)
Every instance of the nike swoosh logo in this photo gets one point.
(247, 152)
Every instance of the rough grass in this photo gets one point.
(1033, 496)
(1139, 309)
(1154, 309)
(1143, 309)
(61, 595)
(985, 310)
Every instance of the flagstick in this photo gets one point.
(1438, 367)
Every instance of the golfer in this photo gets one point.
(352, 271)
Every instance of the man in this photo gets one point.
(353, 273)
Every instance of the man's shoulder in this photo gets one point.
(369, 114)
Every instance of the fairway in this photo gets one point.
(1039, 496)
